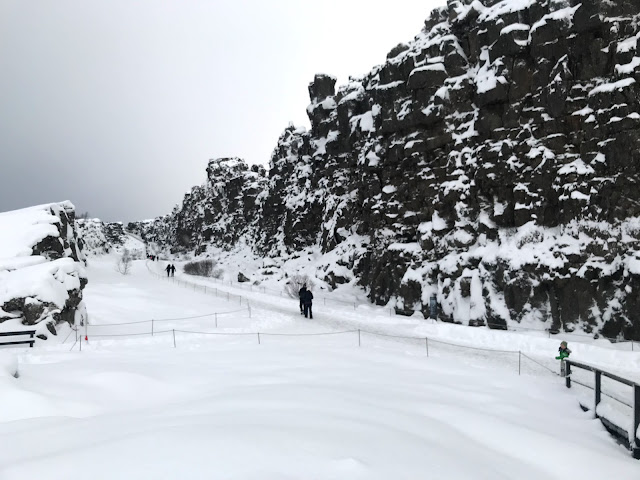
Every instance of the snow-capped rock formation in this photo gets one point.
(41, 269)
(492, 162)
(98, 237)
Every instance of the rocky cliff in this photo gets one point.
(491, 162)
(41, 269)
(98, 237)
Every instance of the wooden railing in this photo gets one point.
(31, 340)
(632, 441)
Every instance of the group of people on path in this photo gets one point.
(171, 270)
(306, 300)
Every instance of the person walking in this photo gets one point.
(307, 301)
(168, 269)
(173, 270)
(300, 294)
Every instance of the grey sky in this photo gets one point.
(117, 105)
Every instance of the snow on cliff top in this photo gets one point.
(35, 277)
(25, 228)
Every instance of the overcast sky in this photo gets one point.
(117, 105)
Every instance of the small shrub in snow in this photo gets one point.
(123, 265)
(295, 283)
(203, 268)
(217, 273)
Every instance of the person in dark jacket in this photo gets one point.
(300, 294)
(307, 300)
(173, 270)
(168, 269)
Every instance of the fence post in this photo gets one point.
(216, 317)
(174, 338)
(359, 342)
(597, 390)
(636, 420)
(258, 338)
(519, 360)
(567, 372)
(426, 344)
(80, 342)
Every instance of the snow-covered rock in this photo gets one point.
(500, 145)
(41, 268)
(98, 237)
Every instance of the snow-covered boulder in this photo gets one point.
(41, 268)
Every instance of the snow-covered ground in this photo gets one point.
(307, 406)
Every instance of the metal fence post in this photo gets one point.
(174, 338)
(258, 338)
(567, 372)
(597, 391)
(636, 420)
(359, 342)
(426, 344)
(216, 317)
(80, 342)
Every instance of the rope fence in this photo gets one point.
(429, 342)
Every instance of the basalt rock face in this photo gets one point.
(41, 268)
(98, 237)
(218, 213)
(492, 162)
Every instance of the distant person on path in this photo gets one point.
(168, 269)
(307, 300)
(173, 270)
(300, 293)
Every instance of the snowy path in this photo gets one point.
(535, 345)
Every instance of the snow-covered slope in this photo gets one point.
(317, 406)
(41, 270)
(491, 162)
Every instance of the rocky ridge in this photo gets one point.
(491, 162)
